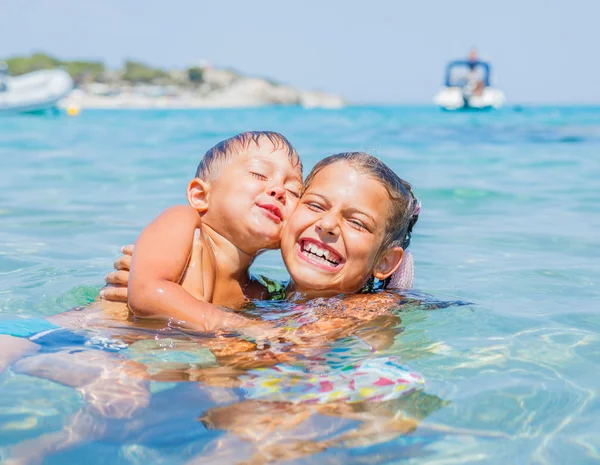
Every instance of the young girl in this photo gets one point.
(341, 237)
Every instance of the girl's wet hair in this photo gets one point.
(405, 208)
(221, 153)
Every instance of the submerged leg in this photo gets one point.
(14, 348)
(259, 432)
(115, 387)
(112, 387)
(81, 427)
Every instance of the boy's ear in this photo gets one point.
(388, 263)
(197, 194)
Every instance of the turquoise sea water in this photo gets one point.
(510, 220)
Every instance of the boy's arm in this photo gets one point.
(161, 255)
(380, 333)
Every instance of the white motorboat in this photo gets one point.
(467, 87)
(33, 92)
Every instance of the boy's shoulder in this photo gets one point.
(172, 226)
(178, 212)
(165, 245)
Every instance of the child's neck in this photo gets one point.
(232, 263)
(296, 293)
(232, 269)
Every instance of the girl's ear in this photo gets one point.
(197, 195)
(388, 263)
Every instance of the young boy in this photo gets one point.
(245, 188)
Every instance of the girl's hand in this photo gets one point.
(116, 281)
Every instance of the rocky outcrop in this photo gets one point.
(216, 88)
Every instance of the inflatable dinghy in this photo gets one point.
(34, 92)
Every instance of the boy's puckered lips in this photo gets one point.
(272, 211)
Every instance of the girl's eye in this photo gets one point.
(259, 176)
(358, 224)
(294, 194)
(315, 206)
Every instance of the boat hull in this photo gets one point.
(34, 92)
(453, 98)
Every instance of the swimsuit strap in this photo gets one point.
(275, 289)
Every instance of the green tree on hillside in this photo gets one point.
(92, 70)
(77, 69)
(37, 61)
(195, 74)
(137, 72)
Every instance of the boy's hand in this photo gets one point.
(116, 281)
(266, 334)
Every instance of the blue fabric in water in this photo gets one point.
(61, 339)
(25, 327)
(53, 338)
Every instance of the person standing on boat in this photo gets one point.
(475, 83)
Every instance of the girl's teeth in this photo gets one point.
(316, 253)
(317, 258)
(315, 249)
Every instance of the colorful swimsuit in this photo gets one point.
(276, 290)
(372, 379)
(331, 377)
(347, 372)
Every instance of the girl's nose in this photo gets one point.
(328, 225)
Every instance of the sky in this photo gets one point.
(377, 51)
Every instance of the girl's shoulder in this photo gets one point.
(358, 306)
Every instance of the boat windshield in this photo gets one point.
(461, 73)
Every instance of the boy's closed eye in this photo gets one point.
(295, 192)
(259, 176)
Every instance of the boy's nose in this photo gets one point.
(278, 193)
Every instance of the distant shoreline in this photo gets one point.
(112, 103)
(139, 86)
(130, 100)
(218, 89)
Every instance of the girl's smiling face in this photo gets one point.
(331, 243)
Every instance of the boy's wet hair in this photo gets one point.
(221, 153)
(404, 205)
